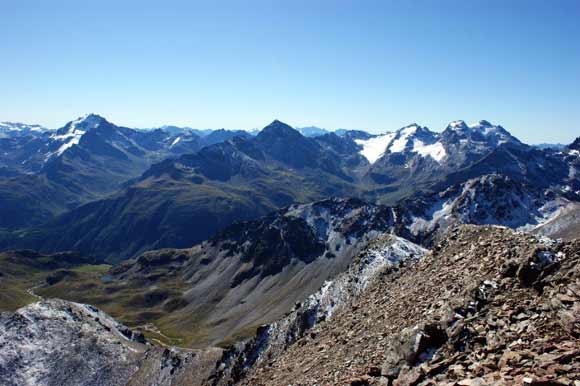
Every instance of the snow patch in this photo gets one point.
(374, 148)
(397, 142)
(400, 143)
(336, 292)
(175, 142)
(435, 150)
(70, 143)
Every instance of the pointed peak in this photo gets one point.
(415, 131)
(279, 128)
(278, 124)
(482, 131)
(575, 145)
(90, 119)
(81, 125)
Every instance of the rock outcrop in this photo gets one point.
(54, 342)
(59, 343)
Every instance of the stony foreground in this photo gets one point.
(488, 307)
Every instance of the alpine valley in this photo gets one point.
(178, 256)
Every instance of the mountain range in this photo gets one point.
(116, 192)
(87, 159)
(225, 252)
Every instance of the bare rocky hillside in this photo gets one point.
(489, 306)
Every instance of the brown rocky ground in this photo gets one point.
(489, 306)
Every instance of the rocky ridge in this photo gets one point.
(488, 306)
(386, 252)
(492, 199)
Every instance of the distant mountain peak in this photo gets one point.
(457, 138)
(80, 125)
(484, 126)
(276, 124)
(71, 133)
(88, 121)
(480, 132)
(575, 145)
(278, 128)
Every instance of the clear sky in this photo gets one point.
(375, 65)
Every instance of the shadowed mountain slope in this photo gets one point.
(251, 273)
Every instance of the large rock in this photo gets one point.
(55, 343)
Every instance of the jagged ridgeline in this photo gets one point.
(115, 192)
(176, 256)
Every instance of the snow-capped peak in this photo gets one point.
(86, 122)
(403, 138)
(374, 147)
(72, 132)
(412, 138)
(482, 133)
(482, 126)
(80, 126)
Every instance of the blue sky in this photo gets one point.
(375, 65)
